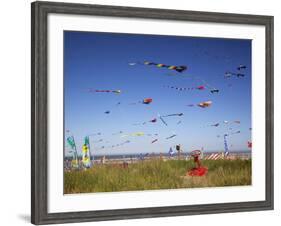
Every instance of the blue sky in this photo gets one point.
(101, 61)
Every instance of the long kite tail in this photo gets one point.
(165, 123)
(177, 114)
(180, 68)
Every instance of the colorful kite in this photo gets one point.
(179, 69)
(202, 104)
(205, 104)
(147, 101)
(144, 101)
(170, 67)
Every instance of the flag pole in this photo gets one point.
(89, 149)
(76, 154)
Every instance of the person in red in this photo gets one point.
(198, 170)
(197, 161)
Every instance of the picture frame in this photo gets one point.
(40, 109)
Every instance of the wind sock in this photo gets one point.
(71, 143)
(86, 156)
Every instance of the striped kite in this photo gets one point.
(170, 67)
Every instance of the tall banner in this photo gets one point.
(71, 143)
(225, 145)
(86, 155)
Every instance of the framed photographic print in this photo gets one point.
(140, 112)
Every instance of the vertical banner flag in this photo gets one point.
(71, 143)
(86, 156)
(225, 145)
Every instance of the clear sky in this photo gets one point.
(101, 61)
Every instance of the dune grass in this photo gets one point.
(157, 174)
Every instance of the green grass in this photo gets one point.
(156, 174)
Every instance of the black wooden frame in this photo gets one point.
(39, 12)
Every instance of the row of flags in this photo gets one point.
(86, 154)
